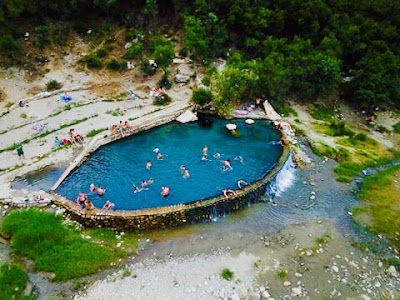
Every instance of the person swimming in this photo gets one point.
(205, 150)
(108, 205)
(239, 158)
(204, 158)
(148, 165)
(217, 155)
(156, 150)
(160, 156)
(100, 191)
(182, 169)
(227, 165)
(186, 174)
(164, 191)
(92, 187)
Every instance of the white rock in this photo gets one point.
(335, 269)
(392, 271)
(365, 297)
(298, 274)
(286, 283)
(265, 295)
(377, 284)
(296, 291)
(234, 297)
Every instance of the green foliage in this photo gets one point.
(396, 127)
(285, 110)
(164, 55)
(94, 132)
(9, 45)
(341, 129)
(201, 96)
(282, 274)
(322, 112)
(92, 61)
(54, 247)
(162, 99)
(147, 68)
(23, 115)
(195, 36)
(13, 280)
(116, 64)
(134, 52)
(102, 52)
(115, 113)
(227, 274)
(42, 36)
(53, 85)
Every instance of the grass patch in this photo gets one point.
(94, 132)
(285, 111)
(380, 196)
(322, 240)
(53, 85)
(9, 104)
(56, 247)
(396, 127)
(322, 113)
(74, 122)
(227, 274)
(13, 280)
(23, 115)
(120, 97)
(109, 237)
(116, 112)
(282, 274)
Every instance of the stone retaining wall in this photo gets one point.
(176, 215)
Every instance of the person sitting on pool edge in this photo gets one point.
(228, 192)
(108, 205)
(164, 191)
(100, 191)
(81, 200)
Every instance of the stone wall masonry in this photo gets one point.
(175, 215)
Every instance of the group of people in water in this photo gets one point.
(85, 203)
(121, 128)
(145, 184)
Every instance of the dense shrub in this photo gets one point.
(52, 85)
(201, 96)
(147, 68)
(92, 61)
(9, 45)
(102, 52)
(396, 127)
(13, 280)
(162, 99)
(135, 51)
(340, 129)
(42, 36)
(55, 247)
(116, 64)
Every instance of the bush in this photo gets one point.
(92, 61)
(322, 113)
(9, 45)
(162, 99)
(135, 51)
(147, 68)
(102, 52)
(55, 247)
(42, 36)
(116, 64)
(340, 129)
(52, 85)
(206, 80)
(396, 127)
(201, 96)
(227, 274)
(13, 280)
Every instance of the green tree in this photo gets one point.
(164, 54)
(195, 37)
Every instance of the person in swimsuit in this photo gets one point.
(160, 156)
(20, 151)
(228, 192)
(186, 174)
(148, 165)
(92, 187)
(81, 200)
(108, 205)
(164, 191)
(100, 191)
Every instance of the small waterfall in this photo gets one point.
(283, 180)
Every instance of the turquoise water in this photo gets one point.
(122, 164)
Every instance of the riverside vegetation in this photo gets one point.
(309, 52)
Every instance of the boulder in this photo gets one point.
(270, 112)
(179, 78)
(187, 116)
